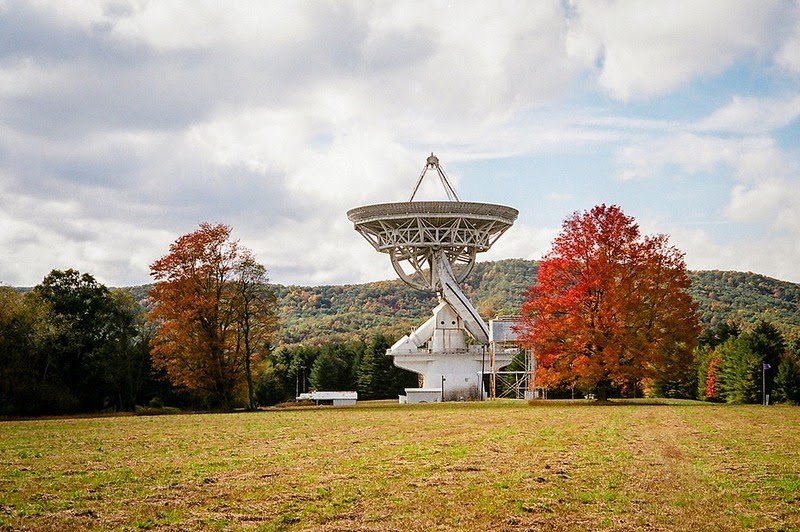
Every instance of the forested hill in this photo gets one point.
(323, 313)
(745, 298)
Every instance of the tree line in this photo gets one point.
(611, 314)
(341, 313)
(73, 345)
(740, 366)
(207, 341)
(356, 365)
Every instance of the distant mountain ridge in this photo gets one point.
(316, 314)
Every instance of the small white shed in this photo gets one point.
(335, 398)
(421, 395)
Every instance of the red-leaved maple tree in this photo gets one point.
(610, 307)
(214, 314)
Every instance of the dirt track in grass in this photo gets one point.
(501, 465)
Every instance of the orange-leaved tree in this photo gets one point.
(214, 315)
(611, 308)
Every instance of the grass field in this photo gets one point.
(500, 465)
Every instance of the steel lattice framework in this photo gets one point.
(412, 232)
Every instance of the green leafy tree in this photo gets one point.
(713, 336)
(300, 361)
(70, 344)
(254, 309)
(92, 342)
(126, 353)
(678, 373)
(24, 332)
(270, 388)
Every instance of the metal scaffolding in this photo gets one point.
(508, 383)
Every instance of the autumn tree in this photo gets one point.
(213, 314)
(610, 308)
(254, 304)
(711, 390)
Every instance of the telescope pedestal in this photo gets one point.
(457, 373)
(447, 364)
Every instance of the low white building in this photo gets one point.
(421, 395)
(335, 398)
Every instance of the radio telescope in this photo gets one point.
(432, 246)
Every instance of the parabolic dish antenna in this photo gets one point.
(412, 233)
(432, 246)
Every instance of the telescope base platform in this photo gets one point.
(458, 373)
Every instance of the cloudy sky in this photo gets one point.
(124, 124)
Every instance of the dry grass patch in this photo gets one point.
(501, 465)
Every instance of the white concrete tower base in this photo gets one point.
(461, 371)
(447, 365)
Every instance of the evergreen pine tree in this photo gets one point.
(330, 370)
(787, 378)
(740, 372)
(765, 340)
(375, 372)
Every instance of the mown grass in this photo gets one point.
(498, 465)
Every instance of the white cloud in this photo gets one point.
(124, 124)
(522, 241)
(788, 55)
(753, 115)
(750, 158)
(776, 256)
(182, 24)
(559, 196)
(763, 195)
(649, 48)
(274, 117)
(66, 236)
(772, 199)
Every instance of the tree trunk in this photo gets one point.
(250, 401)
(602, 393)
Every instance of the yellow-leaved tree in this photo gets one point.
(214, 316)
